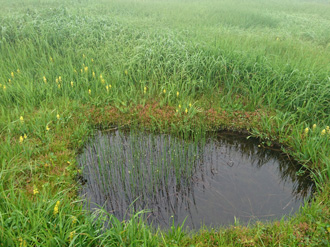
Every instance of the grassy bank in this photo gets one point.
(68, 67)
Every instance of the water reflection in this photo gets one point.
(210, 181)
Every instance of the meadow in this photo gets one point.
(68, 68)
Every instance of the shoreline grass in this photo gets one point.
(68, 68)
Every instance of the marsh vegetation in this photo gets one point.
(184, 67)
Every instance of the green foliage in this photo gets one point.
(66, 57)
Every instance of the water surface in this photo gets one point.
(212, 181)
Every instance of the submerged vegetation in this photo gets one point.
(69, 67)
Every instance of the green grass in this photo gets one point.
(255, 65)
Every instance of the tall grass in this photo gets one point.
(268, 57)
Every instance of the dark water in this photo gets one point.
(211, 181)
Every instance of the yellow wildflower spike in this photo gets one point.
(179, 106)
(93, 74)
(107, 88)
(18, 71)
(60, 78)
(58, 117)
(71, 83)
(25, 136)
(164, 91)
(12, 74)
(9, 80)
(21, 119)
(35, 191)
(314, 126)
(177, 94)
(4, 88)
(44, 78)
(189, 104)
(56, 207)
(89, 91)
(47, 128)
(126, 72)
(59, 86)
(186, 110)
(323, 132)
(21, 139)
(92, 60)
(102, 81)
(306, 130)
(86, 69)
(74, 219)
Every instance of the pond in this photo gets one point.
(213, 180)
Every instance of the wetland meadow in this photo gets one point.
(131, 91)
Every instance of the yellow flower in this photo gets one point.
(21, 139)
(177, 110)
(56, 80)
(164, 91)
(44, 78)
(92, 60)
(93, 74)
(74, 219)
(25, 136)
(18, 71)
(179, 106)
(47, 128)
(314, 126)
(81, 70)
(74, 70)
(189, 104)
(327, 128)
(21, 119)
(103, 81)
(12, 74)
(101, 76)
(71, 83)
(22, 243)
(144, 89)
(89, 91)
(107, 88)
(35, 191)
(60, 78)
(51, 59)
(177, 94)
(86, 69)
(59, 86)
(186, 110)
(9, 80)
(56, 207)
(323, 132)
(72, 235)
(126, 72)
(58, 116)
(306, 130)
(4, 88)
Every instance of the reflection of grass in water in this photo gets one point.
(144, 167)
(160, 171)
